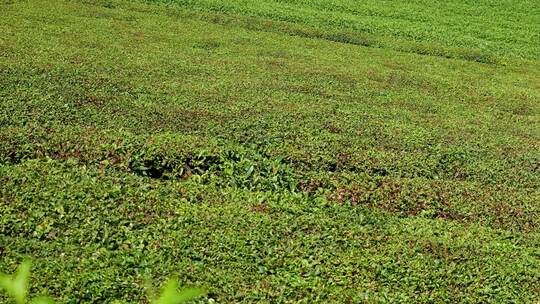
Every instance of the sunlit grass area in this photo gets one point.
(272, 151)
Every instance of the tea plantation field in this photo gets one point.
(276, 151)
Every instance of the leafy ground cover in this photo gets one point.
(278, 151)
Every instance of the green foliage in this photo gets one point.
(171, 295)
(450, 31)
(275, 151)
(17, 287)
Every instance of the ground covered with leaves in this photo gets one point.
(272, 151)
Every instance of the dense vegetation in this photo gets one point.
(275, 151)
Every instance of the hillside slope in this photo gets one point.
(272, 151)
